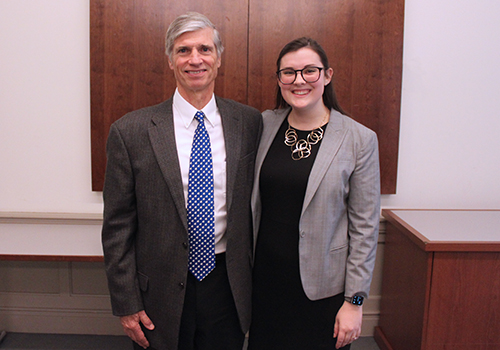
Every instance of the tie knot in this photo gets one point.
(199, 116)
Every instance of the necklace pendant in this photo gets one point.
(302, 147)
(302, 150)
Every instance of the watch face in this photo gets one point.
(357, 300)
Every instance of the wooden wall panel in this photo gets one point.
(364, 43)
(363, 39)
(129, 68)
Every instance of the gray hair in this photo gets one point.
(190, 22)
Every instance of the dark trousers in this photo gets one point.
(209, 318)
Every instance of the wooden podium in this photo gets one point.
(441, 280)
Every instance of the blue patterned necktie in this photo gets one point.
(200, 205)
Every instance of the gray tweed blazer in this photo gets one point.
(144, 233)
(341, 211)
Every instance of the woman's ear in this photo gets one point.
(328, 76)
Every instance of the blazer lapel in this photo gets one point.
(272, 122)
(162, 137)
(333, 139)
(232, 127)
(271, 127)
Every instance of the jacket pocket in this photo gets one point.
(338, 249)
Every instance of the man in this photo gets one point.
(152, 238)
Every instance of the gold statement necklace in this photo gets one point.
(302, 148)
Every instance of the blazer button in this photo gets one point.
(302, 234)
(181, 284)
(185, 245)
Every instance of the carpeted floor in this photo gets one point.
(27, 341)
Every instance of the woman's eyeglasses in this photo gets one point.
(288, 76)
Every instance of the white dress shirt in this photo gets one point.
(185, 126)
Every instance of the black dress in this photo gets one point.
(282, 315)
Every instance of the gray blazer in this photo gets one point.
(144, 234)
(340, 216)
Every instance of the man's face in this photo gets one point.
(195, 62)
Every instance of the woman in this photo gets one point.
(316, 205)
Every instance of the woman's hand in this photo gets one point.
(348, 324)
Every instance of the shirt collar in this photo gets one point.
(187, 111)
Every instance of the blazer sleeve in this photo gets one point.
(363, 209)
(119, 227)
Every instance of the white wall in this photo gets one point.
(44, 107)
(449, 154)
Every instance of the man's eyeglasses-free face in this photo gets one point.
(288, 76)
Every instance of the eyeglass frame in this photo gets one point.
(301, 74)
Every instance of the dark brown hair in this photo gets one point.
(329, 97)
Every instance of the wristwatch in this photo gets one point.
(355, 300)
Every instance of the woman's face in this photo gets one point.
(301, 94)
